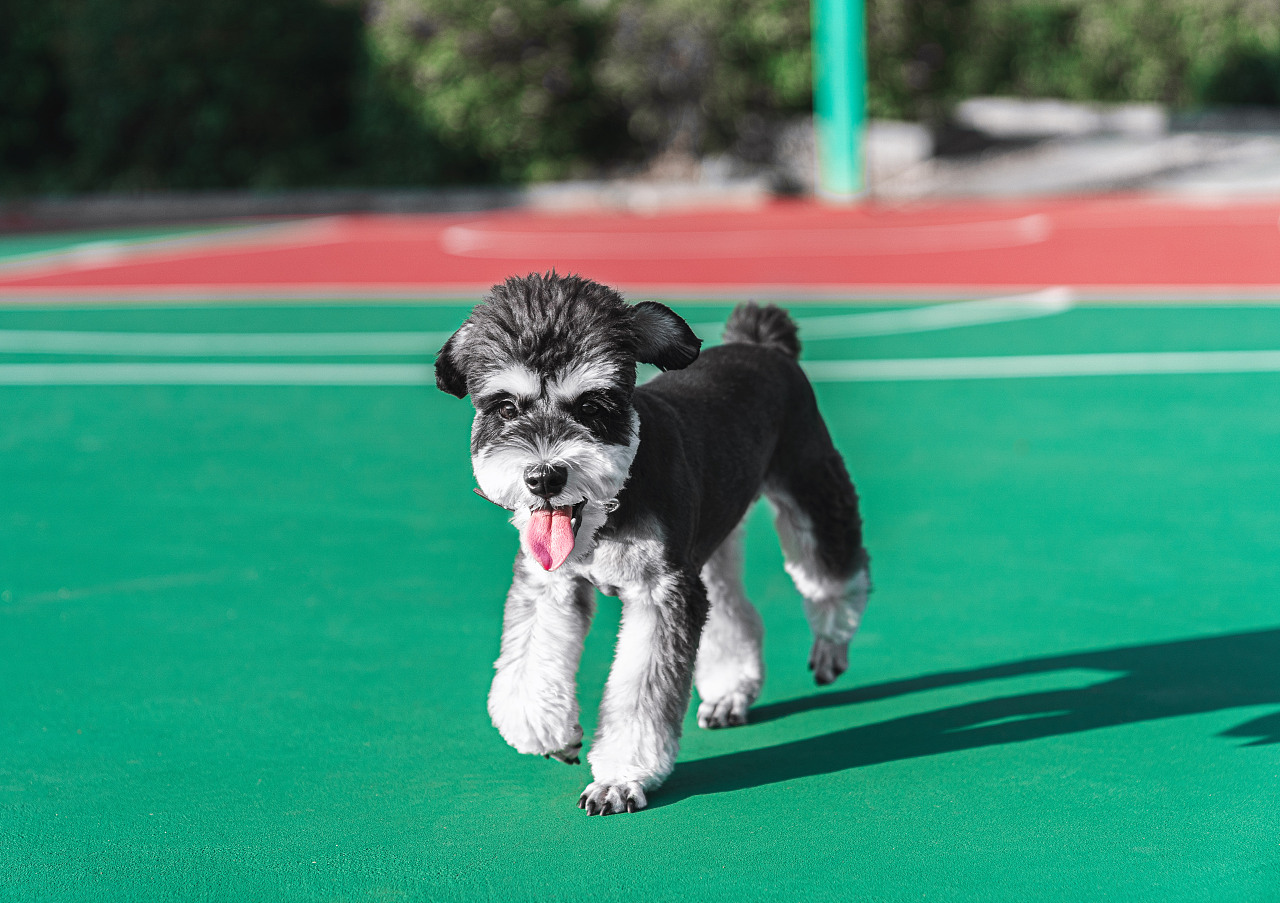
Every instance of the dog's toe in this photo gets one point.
(731, 711)
(828, 660)
(603, 798)
(568, 753)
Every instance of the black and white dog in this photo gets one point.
(640, 491)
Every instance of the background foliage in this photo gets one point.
(152, 94)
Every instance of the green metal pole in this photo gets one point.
(840, 97)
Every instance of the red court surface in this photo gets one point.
(1117, 247)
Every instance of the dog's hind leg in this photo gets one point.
(533, 700)
(820, 529)
(647, 694)
(730, 667)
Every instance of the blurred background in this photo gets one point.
(149, 95)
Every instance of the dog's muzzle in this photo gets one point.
(551, 531)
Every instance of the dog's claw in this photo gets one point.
(612, 799)
(828, 660)
(568, 754)
(731, 711)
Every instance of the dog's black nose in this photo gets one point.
(546, 479)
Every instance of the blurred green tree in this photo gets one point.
(209, 94)
(505, 83)
(700, 75)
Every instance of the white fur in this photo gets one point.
(584, 376)
(730, 666)
(516, 379)
(533, 699)
(597, 471)
(832, 605)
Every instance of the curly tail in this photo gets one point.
(770, 326)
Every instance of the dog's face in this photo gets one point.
(550, 365)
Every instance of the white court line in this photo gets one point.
(211, 344)
(271, 344)
(1044, 303)
(891, 370)
(485, 241)
(1044, 365)
(106, 252)
(216, 375)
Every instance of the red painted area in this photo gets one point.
(792, 245)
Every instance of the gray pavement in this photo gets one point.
(994, 148)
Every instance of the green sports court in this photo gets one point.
(249, 608)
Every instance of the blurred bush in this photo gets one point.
(156, 94)
(701, 75)
(506, 84)
(153, 94)
(925, 54)
(34, 145)
(207, 95)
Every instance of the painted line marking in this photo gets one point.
(216, 374)
(1044, 303)
(109, 252)
(839, 326)
(1045, 365)
(891, 370)
(475, 240)
(212, 344)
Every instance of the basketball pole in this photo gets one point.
(840, 98)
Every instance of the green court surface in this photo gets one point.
(246, 634)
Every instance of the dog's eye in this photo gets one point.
(588, 408)
(508, 410)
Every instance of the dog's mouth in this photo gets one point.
(551, 532)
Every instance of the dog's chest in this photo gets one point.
(630, 567)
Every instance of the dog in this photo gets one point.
(640, 491)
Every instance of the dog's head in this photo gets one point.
(550, 365)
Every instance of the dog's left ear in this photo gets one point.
(449, 374)
(663, 338)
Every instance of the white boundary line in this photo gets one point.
(106, 252)
(215, 344)
(945, 316)
(893, 370)
(1044, 303)
(216, 375)
(1045, 365)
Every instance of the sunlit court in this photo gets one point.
(250, 605)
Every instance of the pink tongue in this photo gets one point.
(549, 536)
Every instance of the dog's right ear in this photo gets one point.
(450, 376)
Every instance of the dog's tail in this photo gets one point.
(770, 326)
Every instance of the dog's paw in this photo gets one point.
(603, 798)
(569, 754)
(731, 711)
(828, 660)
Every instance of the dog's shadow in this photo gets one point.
(1155, 681)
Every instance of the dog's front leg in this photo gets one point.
(533, 701)
(647, 693)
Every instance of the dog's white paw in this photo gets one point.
(569, 755)
(828, 660)
(730, 711)
(604, 798)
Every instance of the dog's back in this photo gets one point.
(741, 420)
